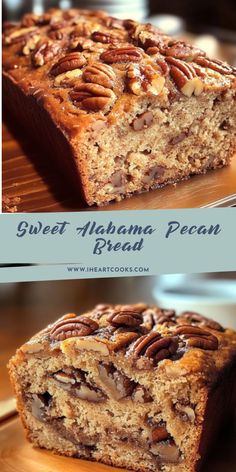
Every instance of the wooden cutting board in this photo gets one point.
(17, 455)
(30, 184)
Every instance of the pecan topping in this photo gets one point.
(20, 35)
(216, 65)
(193, 317)
(181, 50)
(73, 60)
(162, 64)
(101, 74)
(154, 346)
(30, 44)
(81, 30)
(81, 44)
(144, 80)
(30, 19)
(67, 79)
(165, 316)
(93, 97)
(57, 35)
(44, 53)
(111, 22)
(103, 37)
(126, 54)
(58, 25)
(143, 121)
(185, 77)
(197, 337)
(73, 327)
(152, 317)
(125, 318)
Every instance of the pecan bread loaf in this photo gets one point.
(133, 386)
(123, 107)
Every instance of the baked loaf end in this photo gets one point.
(133, 386)
(122, 106)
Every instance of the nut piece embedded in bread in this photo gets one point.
(132, 386)
(123, 107)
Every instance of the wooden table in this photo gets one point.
(30, 184)
(17, 455)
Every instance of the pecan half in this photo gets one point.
(82, 29)
(197, 337)
(57, 35)
(151, 318)
(216, 65)
(142, 121)
(125, 318)
(72, 327)
(144, 80)
(103, 37)
(101, 74)
(181, 50)
(73, 60)
(20, 35)
(154, 346)
(40, 405)
(125, 54)
(111, 22)
(193, 317)
(44, 53)
(81, 44)
(93, 97)
(185, 77)
(117, 383)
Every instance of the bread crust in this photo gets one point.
(162, 385)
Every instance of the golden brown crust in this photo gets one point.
(91, 60)
(148, 337)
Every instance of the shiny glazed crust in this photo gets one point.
(133, 386)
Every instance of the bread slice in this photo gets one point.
(132, 386)
(121, 107)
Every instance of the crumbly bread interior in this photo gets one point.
(190, 136)
(132, 386)
(110, 413)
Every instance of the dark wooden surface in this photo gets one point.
(31, 184)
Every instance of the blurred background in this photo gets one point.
(26, 308)
(211, 24)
